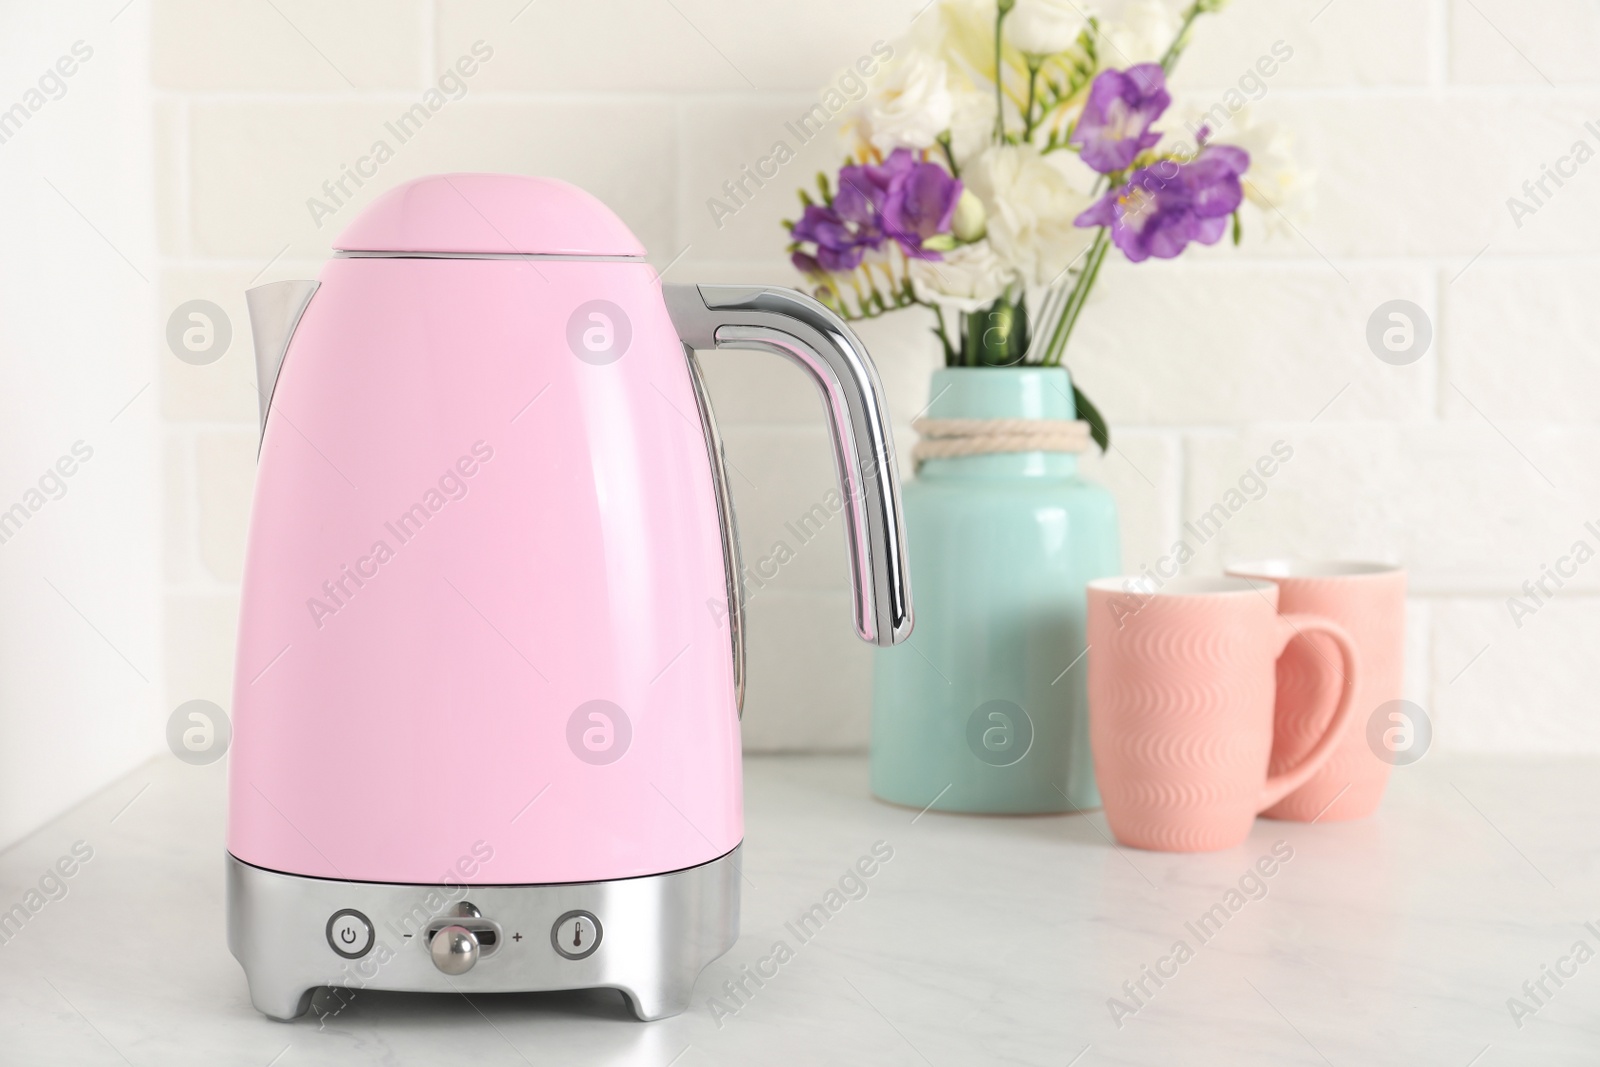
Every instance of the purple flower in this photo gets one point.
(1165, 206)
(903, 198)
(864, 190)
(840, 243)
(1115, 125)
(921, 205)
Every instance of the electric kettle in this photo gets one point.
(490, 664)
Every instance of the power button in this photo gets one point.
(350, 934)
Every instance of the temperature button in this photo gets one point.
(350, 933)
(576, 935)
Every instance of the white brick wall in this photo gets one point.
(81, 686)
(1420, 117)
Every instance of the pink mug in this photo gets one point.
(1369, 601)
(1182, 683)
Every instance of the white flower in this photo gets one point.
(1044, 27)
(1275, 183)
(957, 32)
(969, 278)
(1139, 31)
(1031, 205)
(971, 123)
(910, 106)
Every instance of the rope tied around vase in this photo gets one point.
(952, 438)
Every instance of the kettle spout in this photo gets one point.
(275, 310)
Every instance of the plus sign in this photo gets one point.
(516, 937)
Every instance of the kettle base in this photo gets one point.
(649, 937)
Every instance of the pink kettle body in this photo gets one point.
(490, 628)
(450, 556)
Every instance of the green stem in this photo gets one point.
(1080, 289)
(1077, 298)
(944, 338)
(949, 154)
(1091, 271)
(1175, 49)
(1028, 123)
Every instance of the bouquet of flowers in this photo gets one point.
(1002, 152)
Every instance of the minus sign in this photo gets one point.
(408, 935)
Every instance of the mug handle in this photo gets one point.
(1281, 785)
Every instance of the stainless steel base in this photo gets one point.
(656, 934)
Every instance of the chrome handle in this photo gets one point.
(728, 523)
(802, 330)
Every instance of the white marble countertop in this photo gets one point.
(1398, 940)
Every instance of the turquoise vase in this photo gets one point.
(985, 707)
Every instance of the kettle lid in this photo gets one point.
(489, 214)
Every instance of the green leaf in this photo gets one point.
(1001, 333)
(1091, 414)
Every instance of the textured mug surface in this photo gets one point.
(1182, 686)
(1369, 601)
